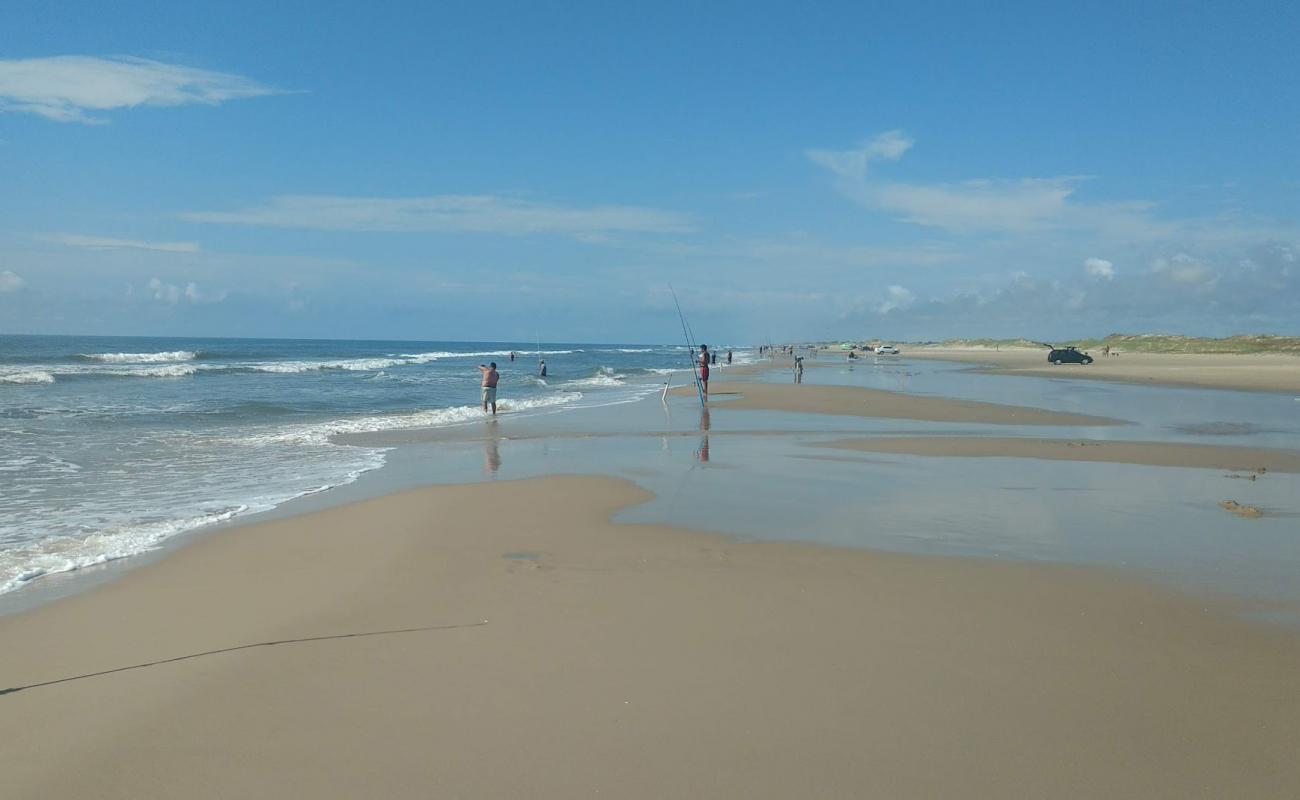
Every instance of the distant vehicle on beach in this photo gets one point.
(1068, 355)
(886, 350)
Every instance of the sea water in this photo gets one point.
(111, 445)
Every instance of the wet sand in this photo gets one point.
(554, 654)
(1246, 460)
(1247, 372)
(860, 402)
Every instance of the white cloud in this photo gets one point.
(1099, 268)
(448, 213)
(852, 164)
(1185, 270)
(897, 297)
(9, 282)
(104, 243)
(1002, 205)
(65, 88)
(171, 294)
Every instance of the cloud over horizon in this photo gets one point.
(1099, 268)
(106, 243)
(10, 281)
(66, 88)
(448, 213)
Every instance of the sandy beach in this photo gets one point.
(860, 402)
(1246, 460)
(549, 653)
(508, 639)
(1247, 372)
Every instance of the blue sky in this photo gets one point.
(491, 171)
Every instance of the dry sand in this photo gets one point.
(1160, 454)
(860, 402)
(629, 662)
(1277, 372)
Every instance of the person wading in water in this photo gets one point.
(490, 378)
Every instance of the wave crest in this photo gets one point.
(27, 377)
(142, 358)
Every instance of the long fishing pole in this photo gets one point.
(690, 347)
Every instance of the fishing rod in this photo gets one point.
(690, 347)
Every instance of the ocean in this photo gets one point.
(111, 445)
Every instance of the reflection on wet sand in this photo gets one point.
(702, 453)
(491, 449)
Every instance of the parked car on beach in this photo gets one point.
(1068, 355)
(885, 350)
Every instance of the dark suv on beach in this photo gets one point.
(1068, 355)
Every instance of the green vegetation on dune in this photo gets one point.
(989, 343)
(1158, 343)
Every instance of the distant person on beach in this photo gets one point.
(704, 369)
(512, 356)
(490, 378)
(541, 368)
(715, 358)
(798, 369)
(728, 358)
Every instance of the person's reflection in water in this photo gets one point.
(491, 451)
(703, 452)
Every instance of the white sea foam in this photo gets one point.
(598, 381)
(605, 377)
(167, 371)
(23, 564)
(122, 358)
(27, 376)
(350, 364)
(424, 358)
(321, 432)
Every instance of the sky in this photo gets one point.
(502, 171)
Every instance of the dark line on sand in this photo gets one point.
(16, 689)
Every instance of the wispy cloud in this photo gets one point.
(896, 298)
(172, 294)
(980, 205)
(1186, 270)
(105, 243)
(852, 164)
(1023, 207)
(1099, 268)
(66, 88)
(10, 282)
(448, 214)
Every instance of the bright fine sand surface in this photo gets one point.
(545, 652)
(1159, 454)
(856, 401)
(1271, 372)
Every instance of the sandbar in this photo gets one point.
(546, 652)
(861, 402)
(1250, 460)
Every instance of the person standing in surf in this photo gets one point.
(704, 369)
(541, 368)
(490, 378)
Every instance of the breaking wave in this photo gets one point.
(139, 358)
